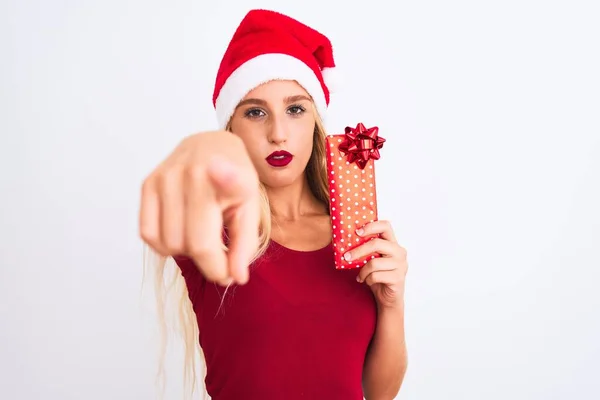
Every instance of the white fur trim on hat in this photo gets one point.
(262, 69)
(333, 79)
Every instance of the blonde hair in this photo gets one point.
(170, 289)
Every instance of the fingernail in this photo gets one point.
(357, 278)
(348, 256)
(226, 282)
(360, 231)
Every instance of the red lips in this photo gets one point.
(279, 158)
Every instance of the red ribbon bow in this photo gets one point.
(361, 144)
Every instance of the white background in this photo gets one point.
(491, 176)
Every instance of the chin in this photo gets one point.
(279, 178)
(277, 182)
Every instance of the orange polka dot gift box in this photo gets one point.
(351, 176)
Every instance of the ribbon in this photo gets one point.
(361, 144)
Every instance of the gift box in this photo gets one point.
(353, 197)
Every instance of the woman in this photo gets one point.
(275, 319)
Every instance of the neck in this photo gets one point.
(290, 203)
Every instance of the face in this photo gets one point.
(276, 123)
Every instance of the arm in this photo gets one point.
(386, 360)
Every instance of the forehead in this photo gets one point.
(277, 90)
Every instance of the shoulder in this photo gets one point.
(194, 280)
(185, 264)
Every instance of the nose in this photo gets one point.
(278, 132)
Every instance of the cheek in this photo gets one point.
(305, 133)
(248, 136)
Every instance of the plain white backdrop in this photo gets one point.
(490, 174)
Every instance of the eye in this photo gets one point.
(254, 113)
(296, 110)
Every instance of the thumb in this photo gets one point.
(229, 181)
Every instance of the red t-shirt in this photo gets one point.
(299, 329)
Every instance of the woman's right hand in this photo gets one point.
(207, 181)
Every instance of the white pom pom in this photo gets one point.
(332, 78)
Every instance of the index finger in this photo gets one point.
(380, 227)
(203, 230)
(243, 229)
(237, 193)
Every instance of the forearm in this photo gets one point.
(386, 360)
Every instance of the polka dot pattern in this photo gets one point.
(353, 202)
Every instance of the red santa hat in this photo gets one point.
(266, 46)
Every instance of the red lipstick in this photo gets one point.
(279, 158)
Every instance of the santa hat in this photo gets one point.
(266, 46)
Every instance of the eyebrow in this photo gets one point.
(287, 100)
(294, 99)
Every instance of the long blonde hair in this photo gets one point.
(173, 305)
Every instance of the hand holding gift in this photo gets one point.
(360, 240)
(385, 274)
